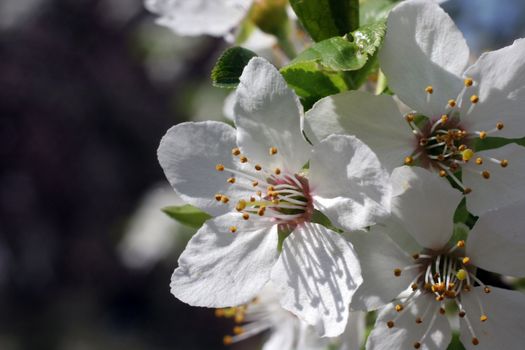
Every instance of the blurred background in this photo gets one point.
(87, 89)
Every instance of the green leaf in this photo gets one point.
(375, 10)
(187, 215)
(335, 65)
(229, 67)
(324, 19)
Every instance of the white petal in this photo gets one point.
(308, 339)
(505, 185)
(348, 183)
(379, 257)
(318, 273)
(426, 204)
(375, 120)
(188, 154)
(499, 78)
(219, 268)
(268, 114)
(497, 243)
(423, 48)
(355, 332)
(197, 17)
(505, 326)
(406, 331)
(282, 336)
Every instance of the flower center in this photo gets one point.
(445, 276)
(445, 146)
(277, 195)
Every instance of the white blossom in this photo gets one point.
(252, 179)
(425, 59)
(415, 261)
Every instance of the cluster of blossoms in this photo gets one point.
(349, 207)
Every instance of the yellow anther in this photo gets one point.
(231, 180)
(397, 272)
(218, 197)
(486, 290)
(409, 118)
(409, 160)
(219, 312)
(233, 229)
(465, 260)
(419, 320)
(259, 193)
(429, 89)
(462, 314)
(451, 285)
(273, 151)
(452, 103)
(450, 294)
(442, 173)
(483, 318)
(461, 148)
(444, 119)
(417, 345)
(423, 141)
(479, 161)
(442, 310)
(238, 330)
(241, 205)
(467, 190)
(500, 125)
(224, 199)
(475, 341)
(415, 256)
(258, 167)
(440, 298)
(482, 135)
(460, 244)
(467, 288)
(474, 99)
(390, 324)
(219, 167)
(227, 340)
(468, 82)
(275, 201)
(252, 199)
(236, 151)
(255, 183)
(239, 317)
(504, 163)
(243, 159)
(261, 211)
(485, 174)
(399, 307)
(467, 154)
(277, 171)
(461, 275)
(270, 188)
(414, 286)
(245, 216)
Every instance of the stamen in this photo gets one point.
(243, 159)
(273, 151)
(485, 174)
(277, 171)
(474, 98)
(468, 82)
(233, 229)
(236, 151)
(409, 160)
(479, 161)
(452, 103)
(219, 167)
(499, 125)
(231, 180)
(245, 216)
(227, 340)
(224, 199)
(241, 205)
(429, 89)
(258, 167)
(482, 135)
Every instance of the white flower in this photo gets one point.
(425, 59)
(412, 260)
(252, 179)
(286, 331)
(198, 17)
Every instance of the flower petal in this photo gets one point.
(360, 193)
(497, 243)
(282, 336)
(425, 204)
(406, 332)
(423, 48)
(505, 185)
(505, 325)
(379, 257)
(188, 154)
(375, 120)
(355, 333)
(268, 114)
(499, 78)
(219, 268)
(318, 273)
(197, 17)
